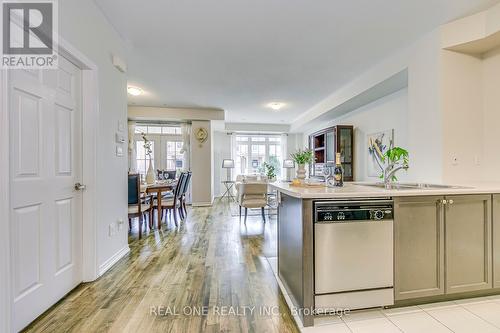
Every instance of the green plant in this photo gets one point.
(303, 156)
(394, 156)
(270, 170)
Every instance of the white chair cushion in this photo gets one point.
(254, 196)
(167, 195)
(254, 203)
(167, 202)
(134, 209)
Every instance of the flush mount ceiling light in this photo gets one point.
(134, 91)
(276, 106)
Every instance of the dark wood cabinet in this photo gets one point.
(329, 141)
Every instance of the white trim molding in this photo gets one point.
(90, 121)
(113, 260)
(5, 271)
(202, 204)
(90, 117)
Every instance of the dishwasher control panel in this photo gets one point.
(349, 211)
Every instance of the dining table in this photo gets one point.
(158, 188)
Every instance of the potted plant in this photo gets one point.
(302, 157)
(270, 171)
(150, 175)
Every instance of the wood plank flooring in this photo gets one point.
(204, 276)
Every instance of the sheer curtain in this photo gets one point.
(186, 151)
(284, 153)
(132, 162)
(185, 132)
(234, 154)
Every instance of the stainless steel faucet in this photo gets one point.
(390, 171)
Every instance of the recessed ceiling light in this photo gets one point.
(134, 91)
(275, 105)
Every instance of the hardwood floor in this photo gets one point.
(204, 276)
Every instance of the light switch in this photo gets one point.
(121, 126)
(119, 151)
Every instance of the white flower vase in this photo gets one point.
(150, 176)
(301, 172)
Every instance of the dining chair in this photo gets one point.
(171, 205)
(252, 195)
(183, 194)
(169, 174)
(137, 206)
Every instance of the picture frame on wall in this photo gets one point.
(378, 143)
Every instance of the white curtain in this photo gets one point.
(234, 156)
(132, 162)
(284, 146)
(284, 153)
(186, 145)
(186, 150)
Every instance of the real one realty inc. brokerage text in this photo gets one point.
(165, 311)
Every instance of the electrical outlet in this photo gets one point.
(477, 160)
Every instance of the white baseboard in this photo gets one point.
(201, 204)
(113, 260)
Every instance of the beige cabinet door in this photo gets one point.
(419, 247)
(496, 241)
(468, 243)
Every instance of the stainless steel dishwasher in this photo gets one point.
(353, 254)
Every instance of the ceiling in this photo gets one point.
(239, 55)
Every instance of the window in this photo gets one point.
(258, 156)
(252, 151)
(166, 144)
(158, 129)
(142, 158)
(174, 157)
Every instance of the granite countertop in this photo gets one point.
(357, 190)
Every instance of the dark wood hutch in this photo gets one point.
(326, 143)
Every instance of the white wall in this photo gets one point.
(173, 114)
(491, 104)
(390, 112)
(294, 143)
(202, 165)
(424, 131)
(83, 25)
(462, 109)
(424, 114)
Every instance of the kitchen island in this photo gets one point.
(409, 245)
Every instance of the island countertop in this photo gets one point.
(358, 190)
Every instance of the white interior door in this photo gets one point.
(46, 210)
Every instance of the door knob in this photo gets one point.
(80, 187)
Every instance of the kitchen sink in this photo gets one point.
(413, 186)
